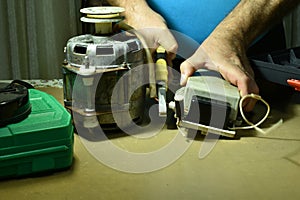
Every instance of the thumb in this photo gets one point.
(187, 70)
(196, 61)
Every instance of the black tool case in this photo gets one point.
(14, 102)
(42, 142)
(278, 66)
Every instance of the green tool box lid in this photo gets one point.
(49, 122)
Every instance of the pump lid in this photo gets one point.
(102, 10)
(14, 102)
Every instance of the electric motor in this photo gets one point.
(93, 67)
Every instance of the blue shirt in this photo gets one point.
(194, 18)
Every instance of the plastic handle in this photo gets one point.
(161, 65)
(294, 83)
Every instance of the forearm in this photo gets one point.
(139, 15)
(133, 8)
(131, 5)
(251, 18)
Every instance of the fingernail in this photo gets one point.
(183, 79)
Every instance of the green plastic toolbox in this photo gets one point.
(43, 142)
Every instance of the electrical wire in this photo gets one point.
(152, 86)
(251, 125)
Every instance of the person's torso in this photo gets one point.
(194, 18)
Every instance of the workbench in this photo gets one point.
(250, 166)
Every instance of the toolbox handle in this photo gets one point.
(20, 82)
(294, 83)
(34, 152)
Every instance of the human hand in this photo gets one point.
(227, 56)
(153, 28)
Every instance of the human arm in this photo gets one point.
(225, 49)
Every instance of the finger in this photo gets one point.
(249, 104)
(187, 70)
(196, 61)
(168, 42)
(246, 87)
